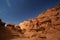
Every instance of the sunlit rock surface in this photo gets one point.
(48, 26)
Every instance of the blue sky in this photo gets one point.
(16, 11)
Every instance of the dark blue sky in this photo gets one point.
(16, 11)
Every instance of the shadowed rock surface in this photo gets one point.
(4, 33)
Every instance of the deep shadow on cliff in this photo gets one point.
(4, 33)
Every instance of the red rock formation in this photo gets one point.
(48, 26)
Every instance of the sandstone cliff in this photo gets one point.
(48, 27)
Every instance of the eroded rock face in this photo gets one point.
(51, 16)
(48, 27)
(46, 20)
(26, 25)
(10, 26)
(18, 29)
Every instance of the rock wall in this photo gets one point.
(46, 26)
